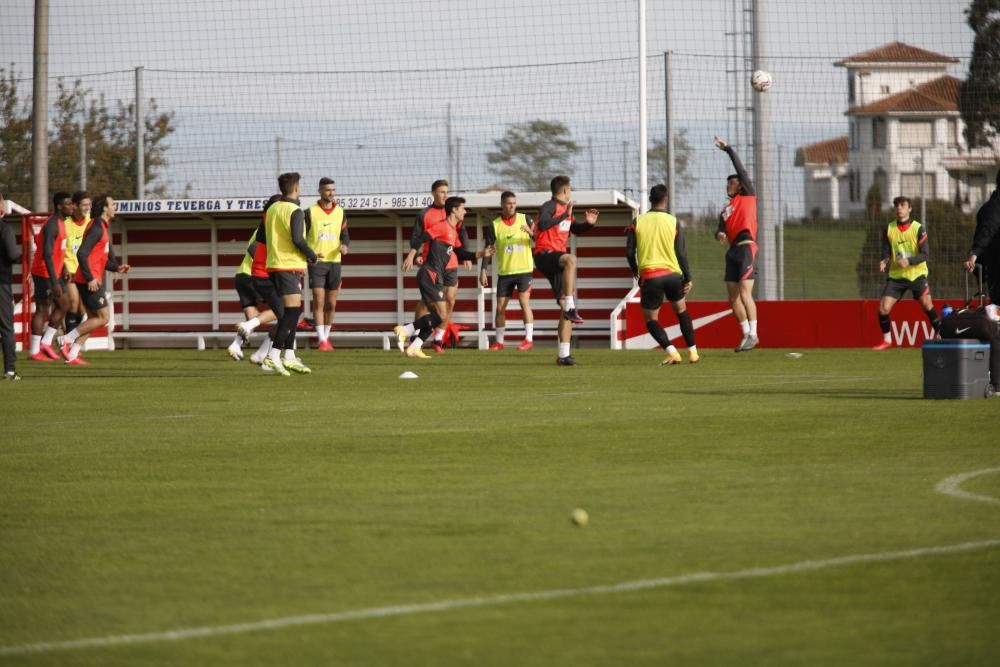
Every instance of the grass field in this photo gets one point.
(158, 491)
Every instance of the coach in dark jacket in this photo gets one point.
(986, 243)
(9, 255)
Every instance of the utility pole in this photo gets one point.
(668, 103)
(40, 110)
(140, 138)
(83, 158)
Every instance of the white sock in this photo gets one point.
(74, 351)
(71, 336)
(237, 342)
(529, 331)
(745, 326)
(500, 334)
(49, 336)
(887, 337)
(693, 349)
(569, 303)
(671, 350)
(410, 330)
(323, 331)
(289, 355)
(753, 327)
(265, 346)
(439, 335)
(417, 343)
(274, 354)
(563, 350)
(251, 324)
(36, 344)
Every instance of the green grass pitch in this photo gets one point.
(164, 490)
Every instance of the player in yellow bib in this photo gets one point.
(326, 231)
(655, 251)
(904, 253)
(76, 225)
(511, 234)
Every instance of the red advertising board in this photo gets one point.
(789, 324)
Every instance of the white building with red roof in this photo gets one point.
(904, 133)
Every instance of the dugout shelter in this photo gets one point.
(184, 255)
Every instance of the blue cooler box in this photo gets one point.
(957, 369)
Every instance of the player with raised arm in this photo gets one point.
(288, 255)
(511, 234)
(51, 298)
(738, 230)
(552, 232)
(328, 237)
(442, 240)
(655, 251)
(904, 253)
(95, 256)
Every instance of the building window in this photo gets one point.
(878, 132)
(952, 140)
(977, 189)
(854, 185)
(885, 90)
(916, 133)
(852, 135)
(910, 186)
(879, 179)
(850, 88)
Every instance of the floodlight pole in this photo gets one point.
(140, 138)
(762, 154)
(668, 99)
(40, 110)
(643, 139)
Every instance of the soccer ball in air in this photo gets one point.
(761, 81)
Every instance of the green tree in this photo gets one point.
(530, 154)
(15, 141)
(109, 134)
(979, 97)
(659, 170)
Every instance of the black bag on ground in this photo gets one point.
(971, 322)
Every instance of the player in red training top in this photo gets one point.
(738, 229)
(51, 297)
(442, 239)
(96, 256)
(555, 224)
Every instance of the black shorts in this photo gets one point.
(43, 287)
(741, 262)
(897, 288)
(325, 275)
(506, 284)
(92, 301)
(249, 296)
(450, 278)
(431, 286)
(655, 290)
(269, 295)
(548, 264)
(287, 282)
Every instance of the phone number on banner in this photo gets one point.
(383, 202)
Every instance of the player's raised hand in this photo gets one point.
(569, 208)
(591, 216)
(720, 142)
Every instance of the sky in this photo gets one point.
(368, 92)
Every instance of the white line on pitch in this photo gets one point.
(950, 486)
(467, 603)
